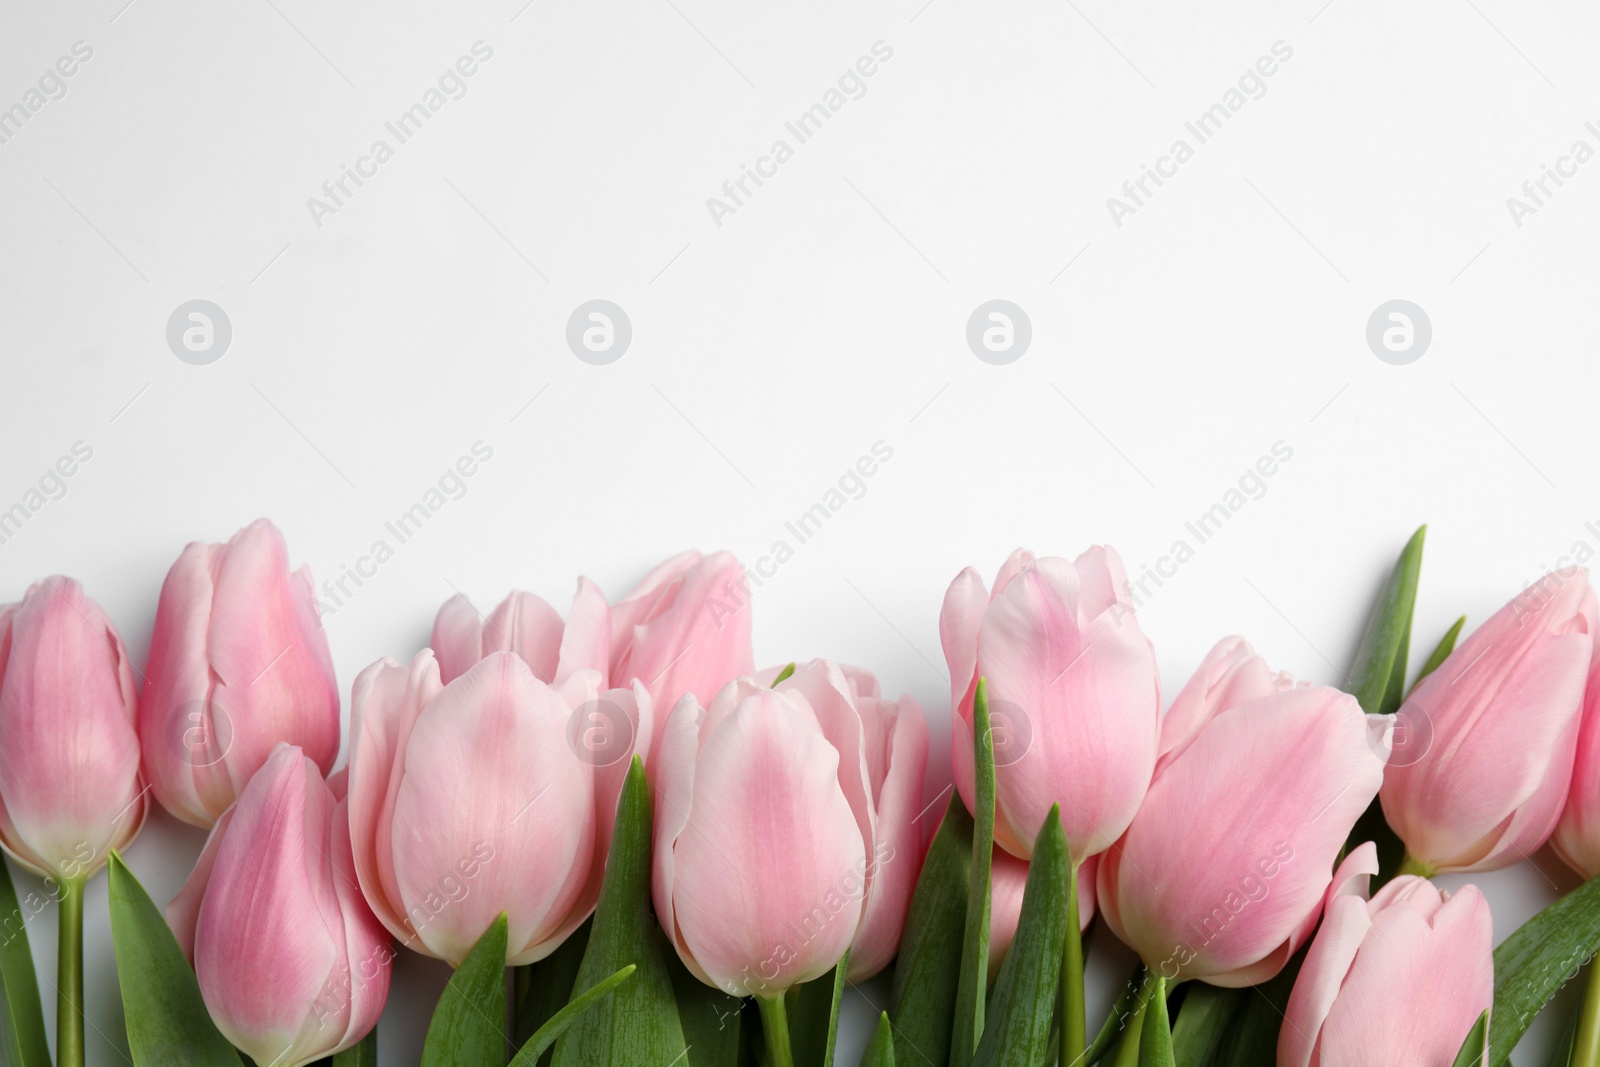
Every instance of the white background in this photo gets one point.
(828, 313)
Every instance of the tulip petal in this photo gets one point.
(183, 911)
(1345, 922)
(527, 625)
(457, 640)
(960, 620)
(586, 641)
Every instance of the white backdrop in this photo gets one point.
(775, 338)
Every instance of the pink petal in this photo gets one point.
(457, 640)
(527, 625)
(1345, 922)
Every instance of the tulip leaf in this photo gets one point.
(1381, 655)
(710, 1018)
(1476, 1044)
(639, 1023)
(923, 998)
(1253, 1039)
(1568, 1045)
(468, 1026)
(558, 1023)
(974, 980)
(880, 1050)
(1203, 1021)
(1441, 651)
(1121, 1011)
(166, 1016)
(1018, 1028)
(1531, 964)
(22, 1033)
(363, 1053)
(544, 988)
(814, 1020)
(1155, 1040)
(783, 676)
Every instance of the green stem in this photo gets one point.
(1586, 1045)
(1412, 865)
(775, 1025)
(1128, 1047)
(69, 975)
(1074, 1027)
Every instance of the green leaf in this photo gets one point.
(1441, 651)
(468, 1026)
(639, 1023)
(1202, 1021)
(1155, 1042)
(1253, 1039)
(711, 1019)
(974, 980)
(544, 988)
(923, 998)
(1018, 1029)
(363, 1053)
(1531, 964)
(167, 1019)
(22, 1033)
(880, 1050)
(1476, 1044)
(814, 1022)
(1388, 634)
(558, 1023)
(1127, 1002)
(1568, 1044)
(783, 675)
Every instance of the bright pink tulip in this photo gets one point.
(1577, 836)
(530, 627)
(1495, 731)
(292, 964)
(1074, 696)
(1008, 879)
(1401, 978)
(238, 663)
(70, 787)
(1222, 874)
(495, 793)
(762, 860)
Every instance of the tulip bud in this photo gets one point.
(1074, 696)
(1222, 873)
(291, 962)
(1008, 879)
(238, 663)
(484, 796)
(527, 625)
(1481, 781)
(70, 787)
(1401, 978)
(1577, 836)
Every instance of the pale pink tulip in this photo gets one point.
(525, 624)
(761, 862)
(1222, 874)
(1008, 879)
(238, 663)
(1231, 674)
(292, 963)
(70, 787)
(1074, 696)
(1577, 836)
(495, 793)
(1401, 978)
(1496, 729)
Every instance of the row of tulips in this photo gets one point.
(689, 859)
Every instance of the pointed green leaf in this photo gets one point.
(923, 999)
(1203, 1021)
(710, 1018)
(468, 1026)
(783, 675)
(1476, 1044)
(558, 1023)
(22, 1033)
(544, 988)
(363, 1053)
(1568, 1045)
(1155, 1042)
(1018, 1027)
(1531, 964)
(1388, 633)
(814, 1020)
(1441, 651)
(974, 980)
(639, 1022)
(880, 1050)
(167, 1020)
(1121, 1011)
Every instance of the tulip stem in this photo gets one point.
(1586, 1045)
(775, 1026)
(69, 975)
(1074, 1028)
(1412, 865)
(1133, 1026)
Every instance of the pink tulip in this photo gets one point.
(292, 964)
(1008, 879)
(70, 787)
(1074, 697)
(1221, 876)
(1401, 978)
(1495, 729)
(495, 793)
(684, 629)
(1577, 836)
(763, 857)
(530, 627)
(238, 663)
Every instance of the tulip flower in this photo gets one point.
(684, 629)
(1498, 722)
(1577, 836)
(292, 963)
(238, 663)
(1221, 876)
(70, 785)
(1401, 978)
(1008, 878)
(494, 793)
(527, 625)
